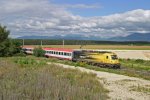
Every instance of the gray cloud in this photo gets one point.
(41, 17)
(82, 6)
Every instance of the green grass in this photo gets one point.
(30, 78)
(136, 64)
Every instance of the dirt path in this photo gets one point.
(121, 87)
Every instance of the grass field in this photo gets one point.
(30, 78)
(107, 47)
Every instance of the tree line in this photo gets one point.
(78, 42)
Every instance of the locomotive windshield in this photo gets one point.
(114, 57)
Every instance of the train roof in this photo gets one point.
(59, 49)
(47, 48)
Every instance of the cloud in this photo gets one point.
(41, 17)
(82, 6)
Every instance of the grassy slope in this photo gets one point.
(27, 78)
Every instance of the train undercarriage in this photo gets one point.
(98, 64)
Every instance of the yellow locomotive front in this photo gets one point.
(107, 58)
(102, 59)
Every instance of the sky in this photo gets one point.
(96, 18)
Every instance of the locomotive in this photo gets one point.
(96, 58)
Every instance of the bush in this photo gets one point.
(139, 61)
(38, 52)
(9, 48)
(21, 54)
(28, 62)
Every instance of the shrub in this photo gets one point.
(38, 52)
(21, 54)
(139, 61)
(29, 62)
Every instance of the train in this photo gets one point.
(96, 58)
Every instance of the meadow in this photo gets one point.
(30, 78)
(104, 47)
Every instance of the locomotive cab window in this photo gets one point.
(114, 57)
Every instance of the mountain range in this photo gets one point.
(132, 37)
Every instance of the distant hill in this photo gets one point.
(132, 37)
(58, 37)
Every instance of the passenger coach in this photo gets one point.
(59, 53)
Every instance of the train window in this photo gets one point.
(61, 53)
(56, 53)
(53, 52)
(65, 53)
(114, 57)
(70, 54)
(106, 57)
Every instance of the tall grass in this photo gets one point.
(28, 79)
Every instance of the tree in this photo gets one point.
(8, 47)
(38, 52)
(3, 33)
